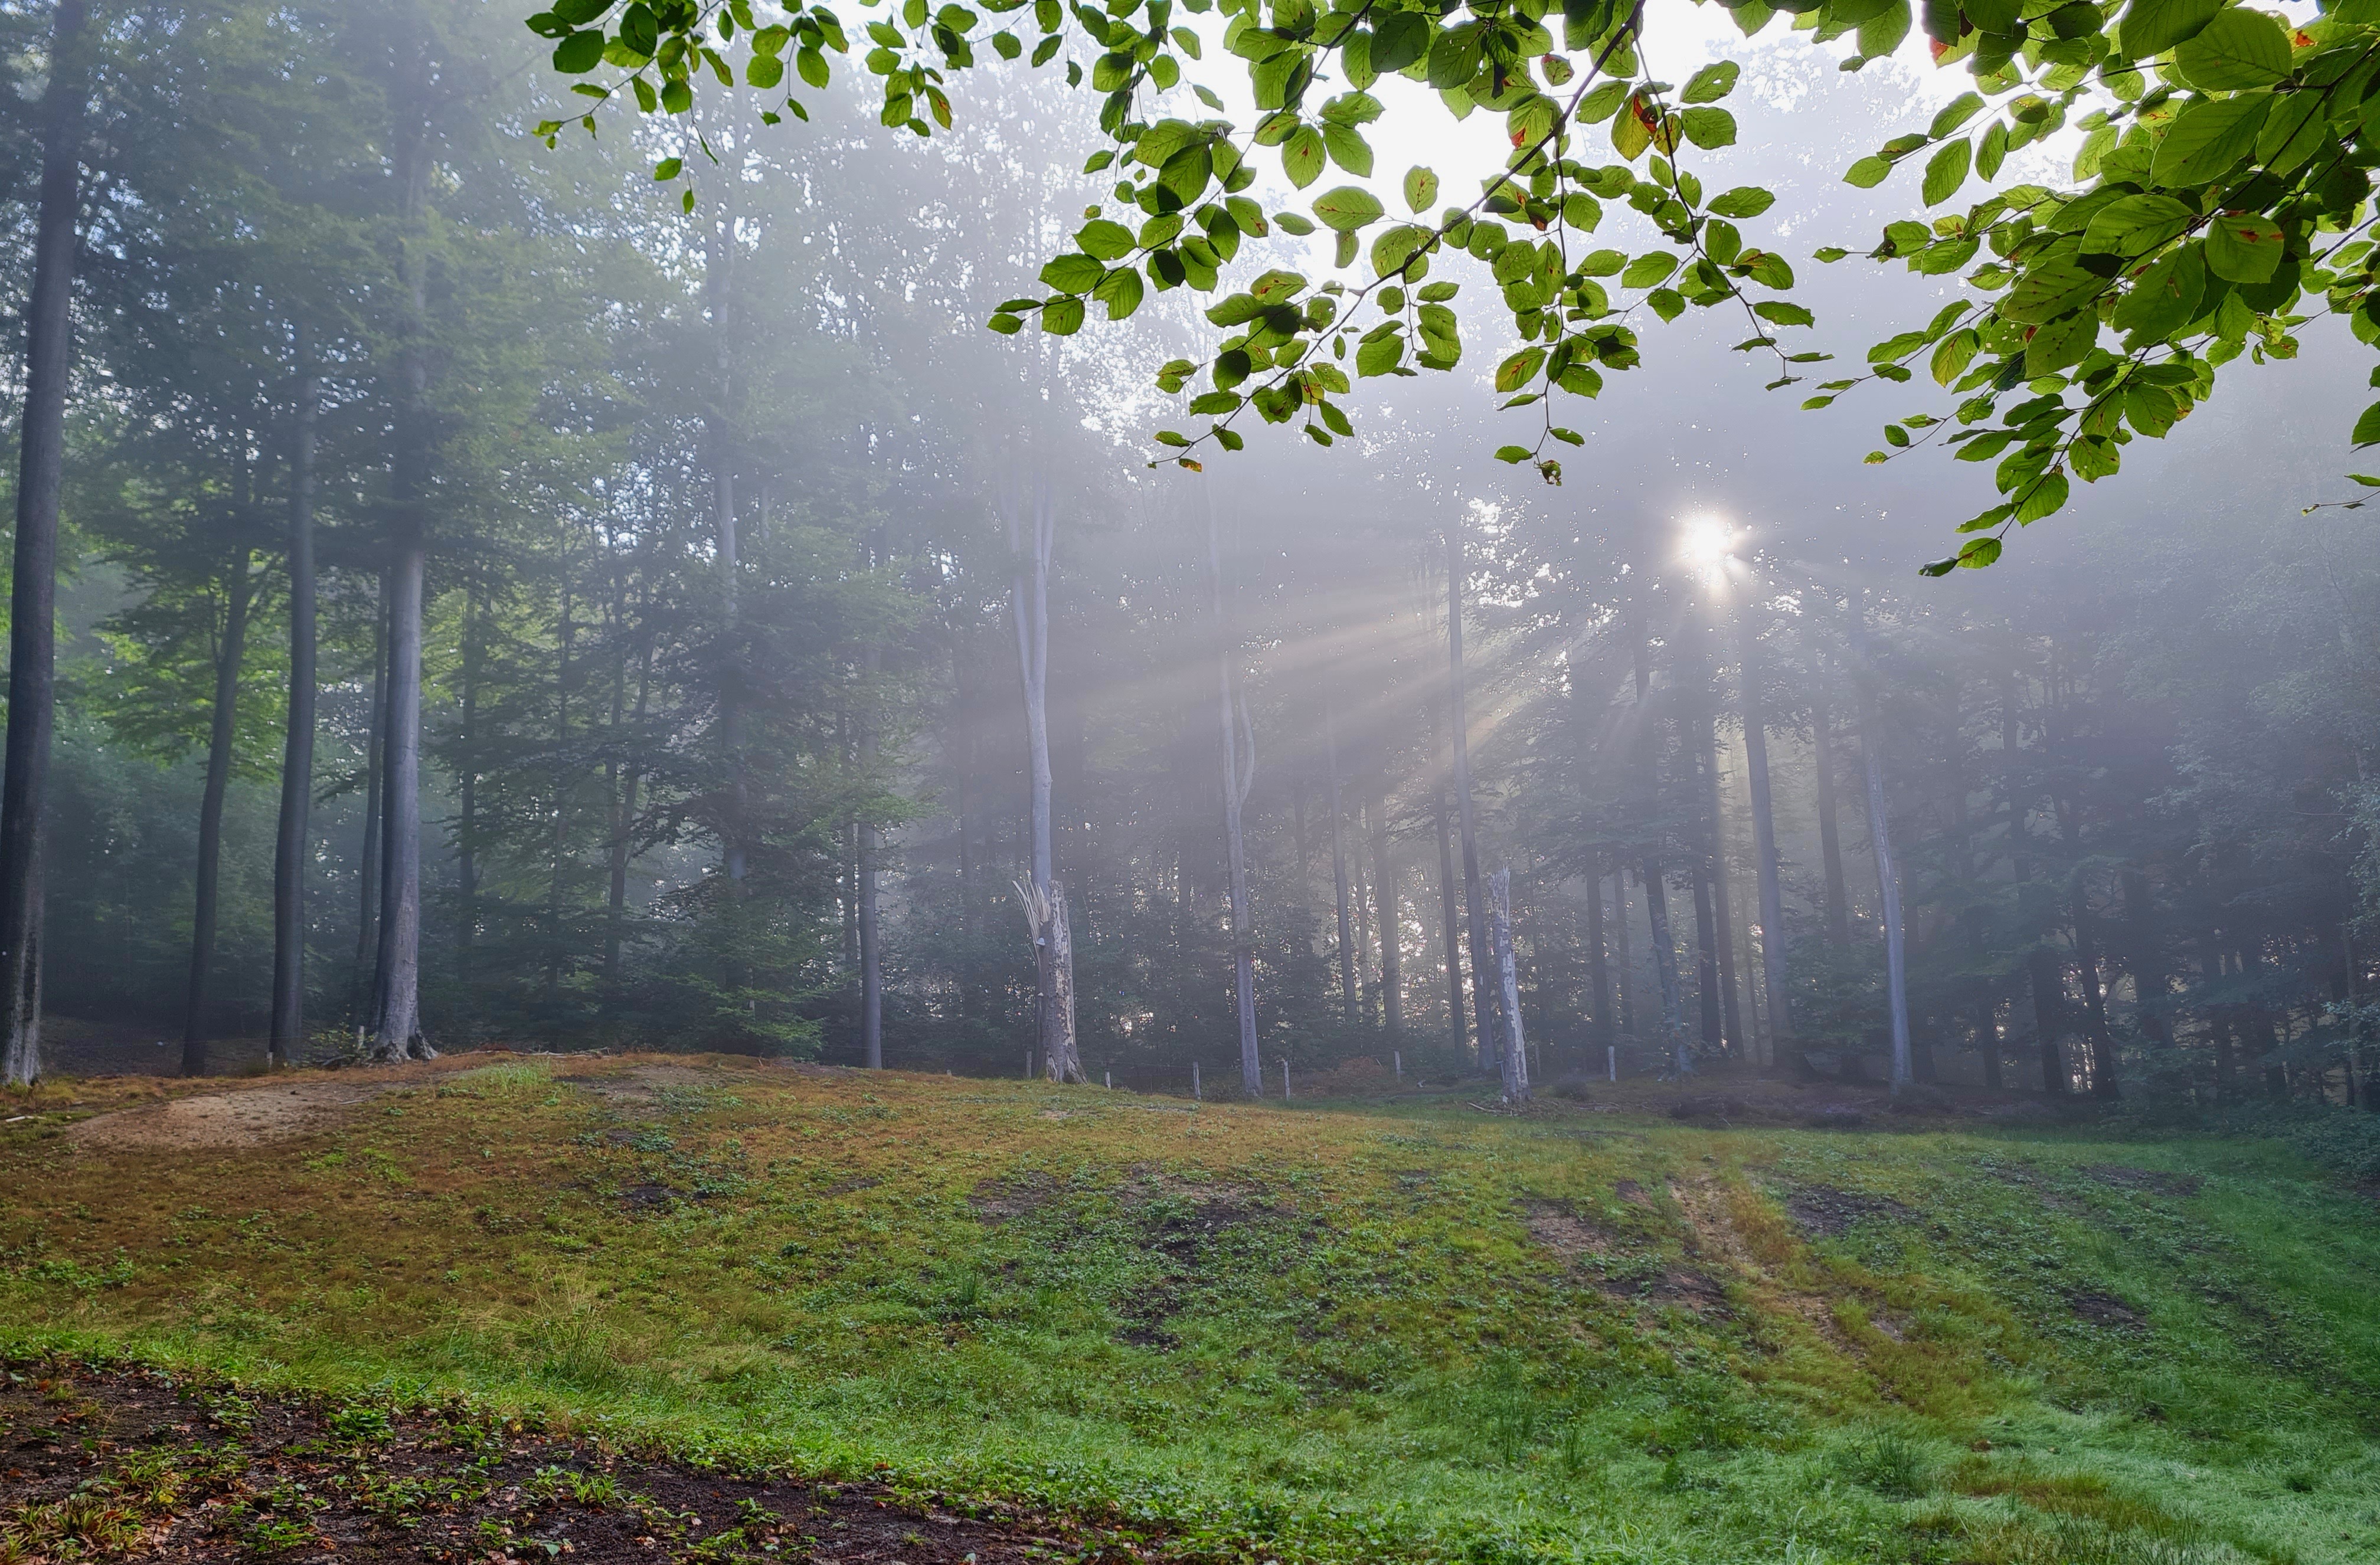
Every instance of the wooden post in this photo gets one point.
(1196, 1095)
(1284, 1081)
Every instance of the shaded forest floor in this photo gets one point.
(1737, 1322)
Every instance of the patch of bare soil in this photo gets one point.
(133, 1465)
(1555, 1226)
(1821, 1212)
(253, 1116)
(2106, 1309)
(2156, 1181)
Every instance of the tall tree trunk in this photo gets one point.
(1987, 1039)
(623, 823)
(1831, 840)
(1239, 776)
(397, 1032)
(1032, 523)
(1450, 914)
(1773, 976)
(40, 463)
(1887, 882)
(1384, 891)
(290, 839)
(1483, 1004)
(360, 1011)
(1729, 1018)
(871, 957)
(2149, 981)
(239, 588)
(1514, 1064)
(1665, 968)
(2103, 1083)
(1350, 996)
(1623, 958)
(1599, 965)
(2048, 1016)
(1706, 979)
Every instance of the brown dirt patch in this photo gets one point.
(1821, 1212)
(252, 1117)
(2156, 1181)
(1555, 1226)
(246, 1477)
(2106, 1309)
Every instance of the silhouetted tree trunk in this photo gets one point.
(1239, 776)
(1831, 840)
(1515, 1051)
(872, 957)
(290, 839)
(1483, 1005)
(1384, 891)
(2048, 1016)
(1619, 943)
(1349, 996)
(368, 861)
(1706, 958)
(41, 464)
(1450, 914)
(1032, 522)
(239, 588)
(1598, 965)
(1888, 881)
(2094, 1000)
(1773, 974)
(2150, 984)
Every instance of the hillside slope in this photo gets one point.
(1414, 1329)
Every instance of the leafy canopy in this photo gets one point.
(2223, 184)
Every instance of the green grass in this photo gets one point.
(1312, 1333)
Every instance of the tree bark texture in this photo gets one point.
(1239, 776)
(1388, 917)
(1483, 1004)
(291, 837)
(1350, 997)
(1515, 1062)
(223, 731)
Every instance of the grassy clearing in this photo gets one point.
(1412, 1330)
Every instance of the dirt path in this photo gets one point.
(129, 1464)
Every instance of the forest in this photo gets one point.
(701, 836)
(723, 736)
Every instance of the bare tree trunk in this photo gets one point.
(1239, 776)
(2048, 1017)
(1483, 1004)
(290, 841)
(1449, 915)
(1625, 959)
(1515, 1051)
(1029, 507)
(1349, 995)
(33, 632)
(1887, 882)
(359, 1013)
(624, 823)
(872, 971)
(1665, 968)
(1831, 840)
(2147, 963)
(397, 1032)
(1384, 891)
(2103, 1083)
(239, 588)
(1598, 965)
(1706, 981)
(1763, 839)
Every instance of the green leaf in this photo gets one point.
(1072, 273)
(1978, 552)
(1293, 223)
(2150, 27)
(1007, 325)
(1121, 292)
(1215, 403)
(1954, 114)
(1421, 188)
(1381, 355)
(1952, 356)
(2165, 297)
(1712, 82)
(1104, 240)
(1946, 170)
(1868, 172)
(1514, 454)
(2239, 51)
(1708, 128)
(2246, 248)
(1347, 209)
(1780, 312)
(668, 169)
(1302, 156)
(1649, 268)
(2047, 497)
(2208, 137)
(1348, 150)
(810, 64)
(579, 53)
(2048, 290)
(2367, 428)
(763, 71)
(1519, 369)
(1399, 39)
(2062, 343)
(2136, 225)
(2150, 409)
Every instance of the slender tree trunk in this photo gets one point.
(2149, 981)
(871, 957)
(1730, 1014)
(1599, 965)
(1665, 968)
(1450, 914)
(222, 734)
(1514, 1066)
(1483, 1004)
(1033, 508)
(32, 644)
(1707, 969)
(1384, 891)
(368, 858)
(1624, 960)
(1887, 884)
(1987, 1039)
(1350, 997)
(1830, 841)
(1773, 974)
(1239, 776)
(623, 824)
(2103, 1083)
(397, 1033)
(2048, 1016)
(290, 840)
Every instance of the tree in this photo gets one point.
(2221, 186)
(32, 643)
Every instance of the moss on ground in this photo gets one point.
(1303, 1331)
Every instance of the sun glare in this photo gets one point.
(1703, 544)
